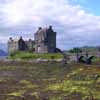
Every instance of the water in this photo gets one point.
(3, 57)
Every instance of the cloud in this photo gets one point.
(74, 25)
(80, 1)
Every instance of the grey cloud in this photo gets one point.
(74, 25)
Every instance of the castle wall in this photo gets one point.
(12, 46)
(20, 45)
(51, 42)
(45, 41)
(41, 48)
(30, 45)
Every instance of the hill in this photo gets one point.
(3, 53)
(3, 46)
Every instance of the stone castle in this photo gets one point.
(44, 42)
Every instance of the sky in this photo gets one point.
(77, 22)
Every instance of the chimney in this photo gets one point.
(39, 28)
(50, 27)
(10, 38)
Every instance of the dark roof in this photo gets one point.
(44, 30)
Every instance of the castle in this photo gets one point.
(44, 42)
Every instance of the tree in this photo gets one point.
(75, 50)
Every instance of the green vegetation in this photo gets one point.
(50, 81)
(75, 50)
(84, 49)
(30, 55)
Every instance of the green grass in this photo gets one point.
(29, 55)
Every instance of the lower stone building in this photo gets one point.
(20, 45)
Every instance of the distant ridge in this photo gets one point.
(3, 53)
(3, 46)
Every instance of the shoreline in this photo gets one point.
(38, 60)
(30, 61)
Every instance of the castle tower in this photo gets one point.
(45, 40)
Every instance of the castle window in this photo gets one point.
(38, 45)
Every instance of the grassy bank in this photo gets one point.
(49, 81)
(29, 55)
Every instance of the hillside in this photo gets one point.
(3, 53)
(30, 55)
(49, 81)
(3, 46)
